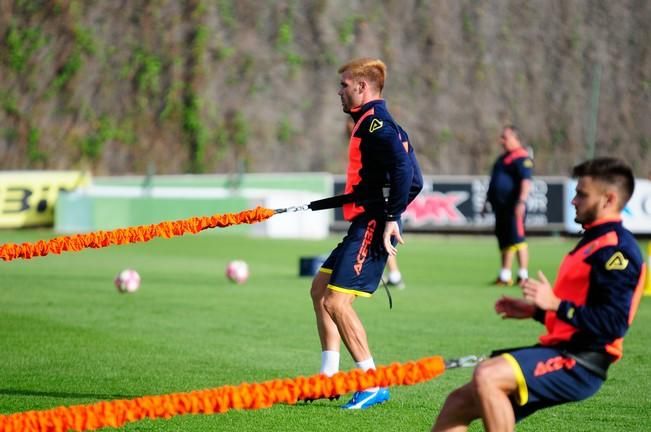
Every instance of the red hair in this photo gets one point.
(370, 69)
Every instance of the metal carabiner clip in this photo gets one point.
(463, 362)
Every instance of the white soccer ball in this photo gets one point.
(127, 281)
(237, 271)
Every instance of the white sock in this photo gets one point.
(523, 273)
(329, 362)
(505, 275)
(366, 365)
(395, 277)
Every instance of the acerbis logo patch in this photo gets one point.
(617, 262)
(375, 125)
(554, 364)
(528, 163)
(570, 313)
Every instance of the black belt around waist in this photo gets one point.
(594, 361)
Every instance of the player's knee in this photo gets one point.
(483, 376)
(333, 305)
(319, 287)
(316, 292)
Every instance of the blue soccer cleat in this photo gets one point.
(366, 399)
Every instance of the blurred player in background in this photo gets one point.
(586, 315)
(507, 194)
(393, 277)
(380, 156)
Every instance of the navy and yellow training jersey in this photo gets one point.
(380, 155)
(506, 178)
(600, 283)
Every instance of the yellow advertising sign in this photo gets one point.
(27, 198)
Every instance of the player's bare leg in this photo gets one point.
(340, 307)
(523, 262)
(507, 262)
(459, 410)
(328, 333)
(493, 381)
(485, 397)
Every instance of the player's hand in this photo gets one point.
(520, 209)
(510, 307)
(540, 293)
(484, 210)
(391, 229)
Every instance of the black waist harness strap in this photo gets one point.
(594, 361)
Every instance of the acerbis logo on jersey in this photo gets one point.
(617, 262)
(375, 125)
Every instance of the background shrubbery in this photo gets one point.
(225, 85)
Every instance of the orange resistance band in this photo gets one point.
(138, 234)
(219, 400)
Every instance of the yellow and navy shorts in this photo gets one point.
(509, 229)
(357, 263)
(547, 377)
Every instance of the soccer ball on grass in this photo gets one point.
(237, 271)
(127, 281)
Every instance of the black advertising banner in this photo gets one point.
(455, 204)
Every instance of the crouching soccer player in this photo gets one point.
(586, 315)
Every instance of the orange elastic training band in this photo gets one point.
(219, 400)
(137, 234)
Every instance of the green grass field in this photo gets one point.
(68, 337)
